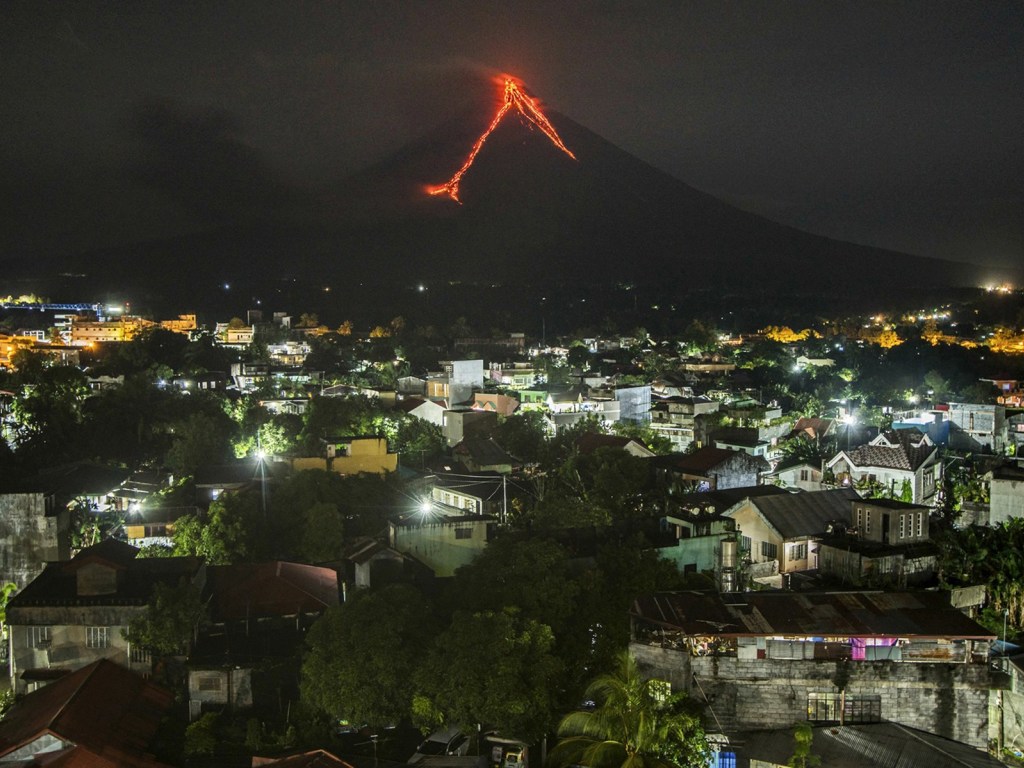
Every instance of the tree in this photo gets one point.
(201, 439)
(635, 724)
(493, 668)
(523, 435)
(6, 591)
(171, 617)
(803, 736)
(323, 534)
(223, 537)
(363, 654)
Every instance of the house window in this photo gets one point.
(209, 683)
(903, 526)
(799, 552)
(769, 550)
(804, 475)
(745, 543)
(463, 533)
(38, 637)
(867, 523)
(920, 523)
(825, 708)
(97, 637)
(860, 518)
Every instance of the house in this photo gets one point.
(480, 494)
(812, 427)
(744, 439)
(256, 612)
(683, 420)
(441, 542)
(495, 402)
(77, 611)
(368, 560)
(427, 410)
(984, 424)
(710, 469)
(352, 456)
(888, 543)
(147, 525)
(213, 480)
(483, 454)
(801, 475)
(101, 716)
(785, 529)
(774, 658)
(897, 460)
(462, 424)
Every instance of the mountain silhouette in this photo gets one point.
(530, 214)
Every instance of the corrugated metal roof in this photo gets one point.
(809, 614)
(875, 745)
(806, 514)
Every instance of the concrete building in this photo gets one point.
(77, 611)
(1006, 494)
(983, 423)
(773, 659)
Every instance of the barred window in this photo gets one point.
(769, 550)
(463, 533)
(825, 708)
(97, 637)
(38, 637)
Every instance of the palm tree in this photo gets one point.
(636, 723)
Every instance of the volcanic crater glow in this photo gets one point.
(514, 97)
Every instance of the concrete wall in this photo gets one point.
(950, 700)
(437, 545)
(1006, 500)
(29, 538)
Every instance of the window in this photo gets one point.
(825, 708)
(463, 533)
(38, 637)
(799, 552)
(745, 543)
(903, 526)
(920, 523)
(860, 518)
(209, 683)
(867, 523)
(769, 550)
(97, 637)
(804, 475)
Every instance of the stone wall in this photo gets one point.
(950, 700)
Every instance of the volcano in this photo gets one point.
(531, 211)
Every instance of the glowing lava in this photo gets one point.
(514, 98)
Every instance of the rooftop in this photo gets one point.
(809, 614)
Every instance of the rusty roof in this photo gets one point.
(276, 588)
(809, 614)
(109, 713)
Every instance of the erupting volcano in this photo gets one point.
(514, 98)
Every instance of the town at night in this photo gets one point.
(544, 385)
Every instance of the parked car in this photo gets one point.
(451, 741)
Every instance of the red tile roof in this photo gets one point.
(315, 759)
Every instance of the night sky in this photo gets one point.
(895, 124)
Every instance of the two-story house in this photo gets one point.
(887, 543)
(787, 528)
(78, 611)
(895, 460)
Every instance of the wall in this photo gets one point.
(29, 538)
(1006, 500)
(436, 546)
(949, 700)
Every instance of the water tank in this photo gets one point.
(729, 550)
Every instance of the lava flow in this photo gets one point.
(514, 98)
